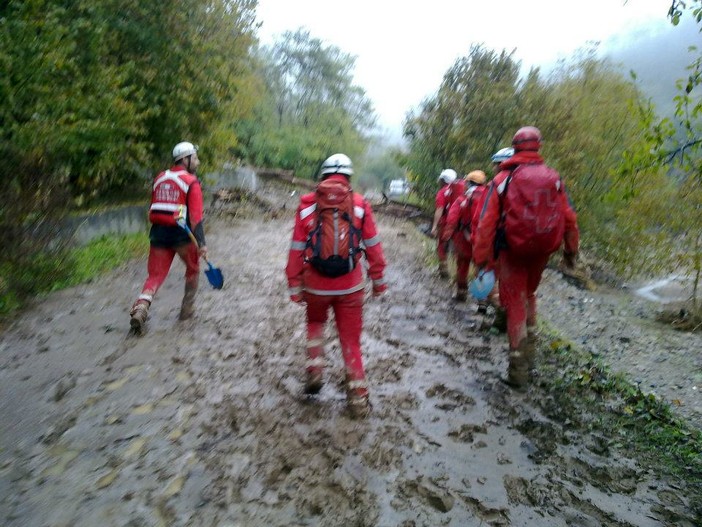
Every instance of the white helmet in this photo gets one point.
(337, 164)
(448, 176)
(183, 149)
(503, 154)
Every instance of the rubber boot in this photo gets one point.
(461, 294)
(529, 345)
(314, 381)
(443, 270)
(357, 399)
(518, 370)
(187, 307)
(500, 321)
(138, 314)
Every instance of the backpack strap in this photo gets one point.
(500, 234)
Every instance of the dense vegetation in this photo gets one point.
(95, 93)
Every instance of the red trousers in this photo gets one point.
(464, 253)
(160, 260)
(348, 314)
(518, 280)
(441, 246)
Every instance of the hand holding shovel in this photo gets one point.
(213, 274)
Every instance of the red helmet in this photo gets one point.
(527, 138)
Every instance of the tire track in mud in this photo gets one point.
(203, 423)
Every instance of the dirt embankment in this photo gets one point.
(203, 423)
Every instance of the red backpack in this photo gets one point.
(334, 245)
(531, 220)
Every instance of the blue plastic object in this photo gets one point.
(214, 274)
(481, 286)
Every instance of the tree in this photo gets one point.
(95, 93)
(584, 113)
(379, 169)
(311, 107)
(669, 156)
(467, 120)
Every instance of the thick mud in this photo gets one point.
(203, 422)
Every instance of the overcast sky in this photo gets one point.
(403, 48)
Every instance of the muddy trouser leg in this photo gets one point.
(191, 258)
(317, 311)
(462, 266)
(157, 267)
(348, 312)
(513, 283)
(442, 253)
(535, 270)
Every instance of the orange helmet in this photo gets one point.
(527, 138)
(476, 176)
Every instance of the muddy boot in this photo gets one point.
(500, 321)
(517, 371)
(313, 382)
(461, 294)
(529, 346)
(187, 308)
(138, 314)
(443, 270)
(357, 399)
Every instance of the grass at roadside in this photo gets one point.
(102, 255)
(584, 391)
(50, 272)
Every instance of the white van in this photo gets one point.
(398, 187)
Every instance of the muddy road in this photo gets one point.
(203, 422)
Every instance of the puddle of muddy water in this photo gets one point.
(674, 288)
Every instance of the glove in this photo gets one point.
(379, 289)
(297, 298)
(569, 260)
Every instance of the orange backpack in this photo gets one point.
(334, 245)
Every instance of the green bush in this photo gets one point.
(61, 268)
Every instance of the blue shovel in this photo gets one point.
(213, 274)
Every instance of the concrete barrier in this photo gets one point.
(134, 218)
(123, 220)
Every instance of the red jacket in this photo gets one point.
(172, 189)
(459, 221)
(483, 248)
(476, 209)
(446, 196)
(302, 276)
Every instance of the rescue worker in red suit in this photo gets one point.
(450, 190)
(344, 294)
(519, 277)
(175, 191)
(493, 299)
(458, 228)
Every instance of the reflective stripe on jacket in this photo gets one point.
(302, 276)
(170, 194)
